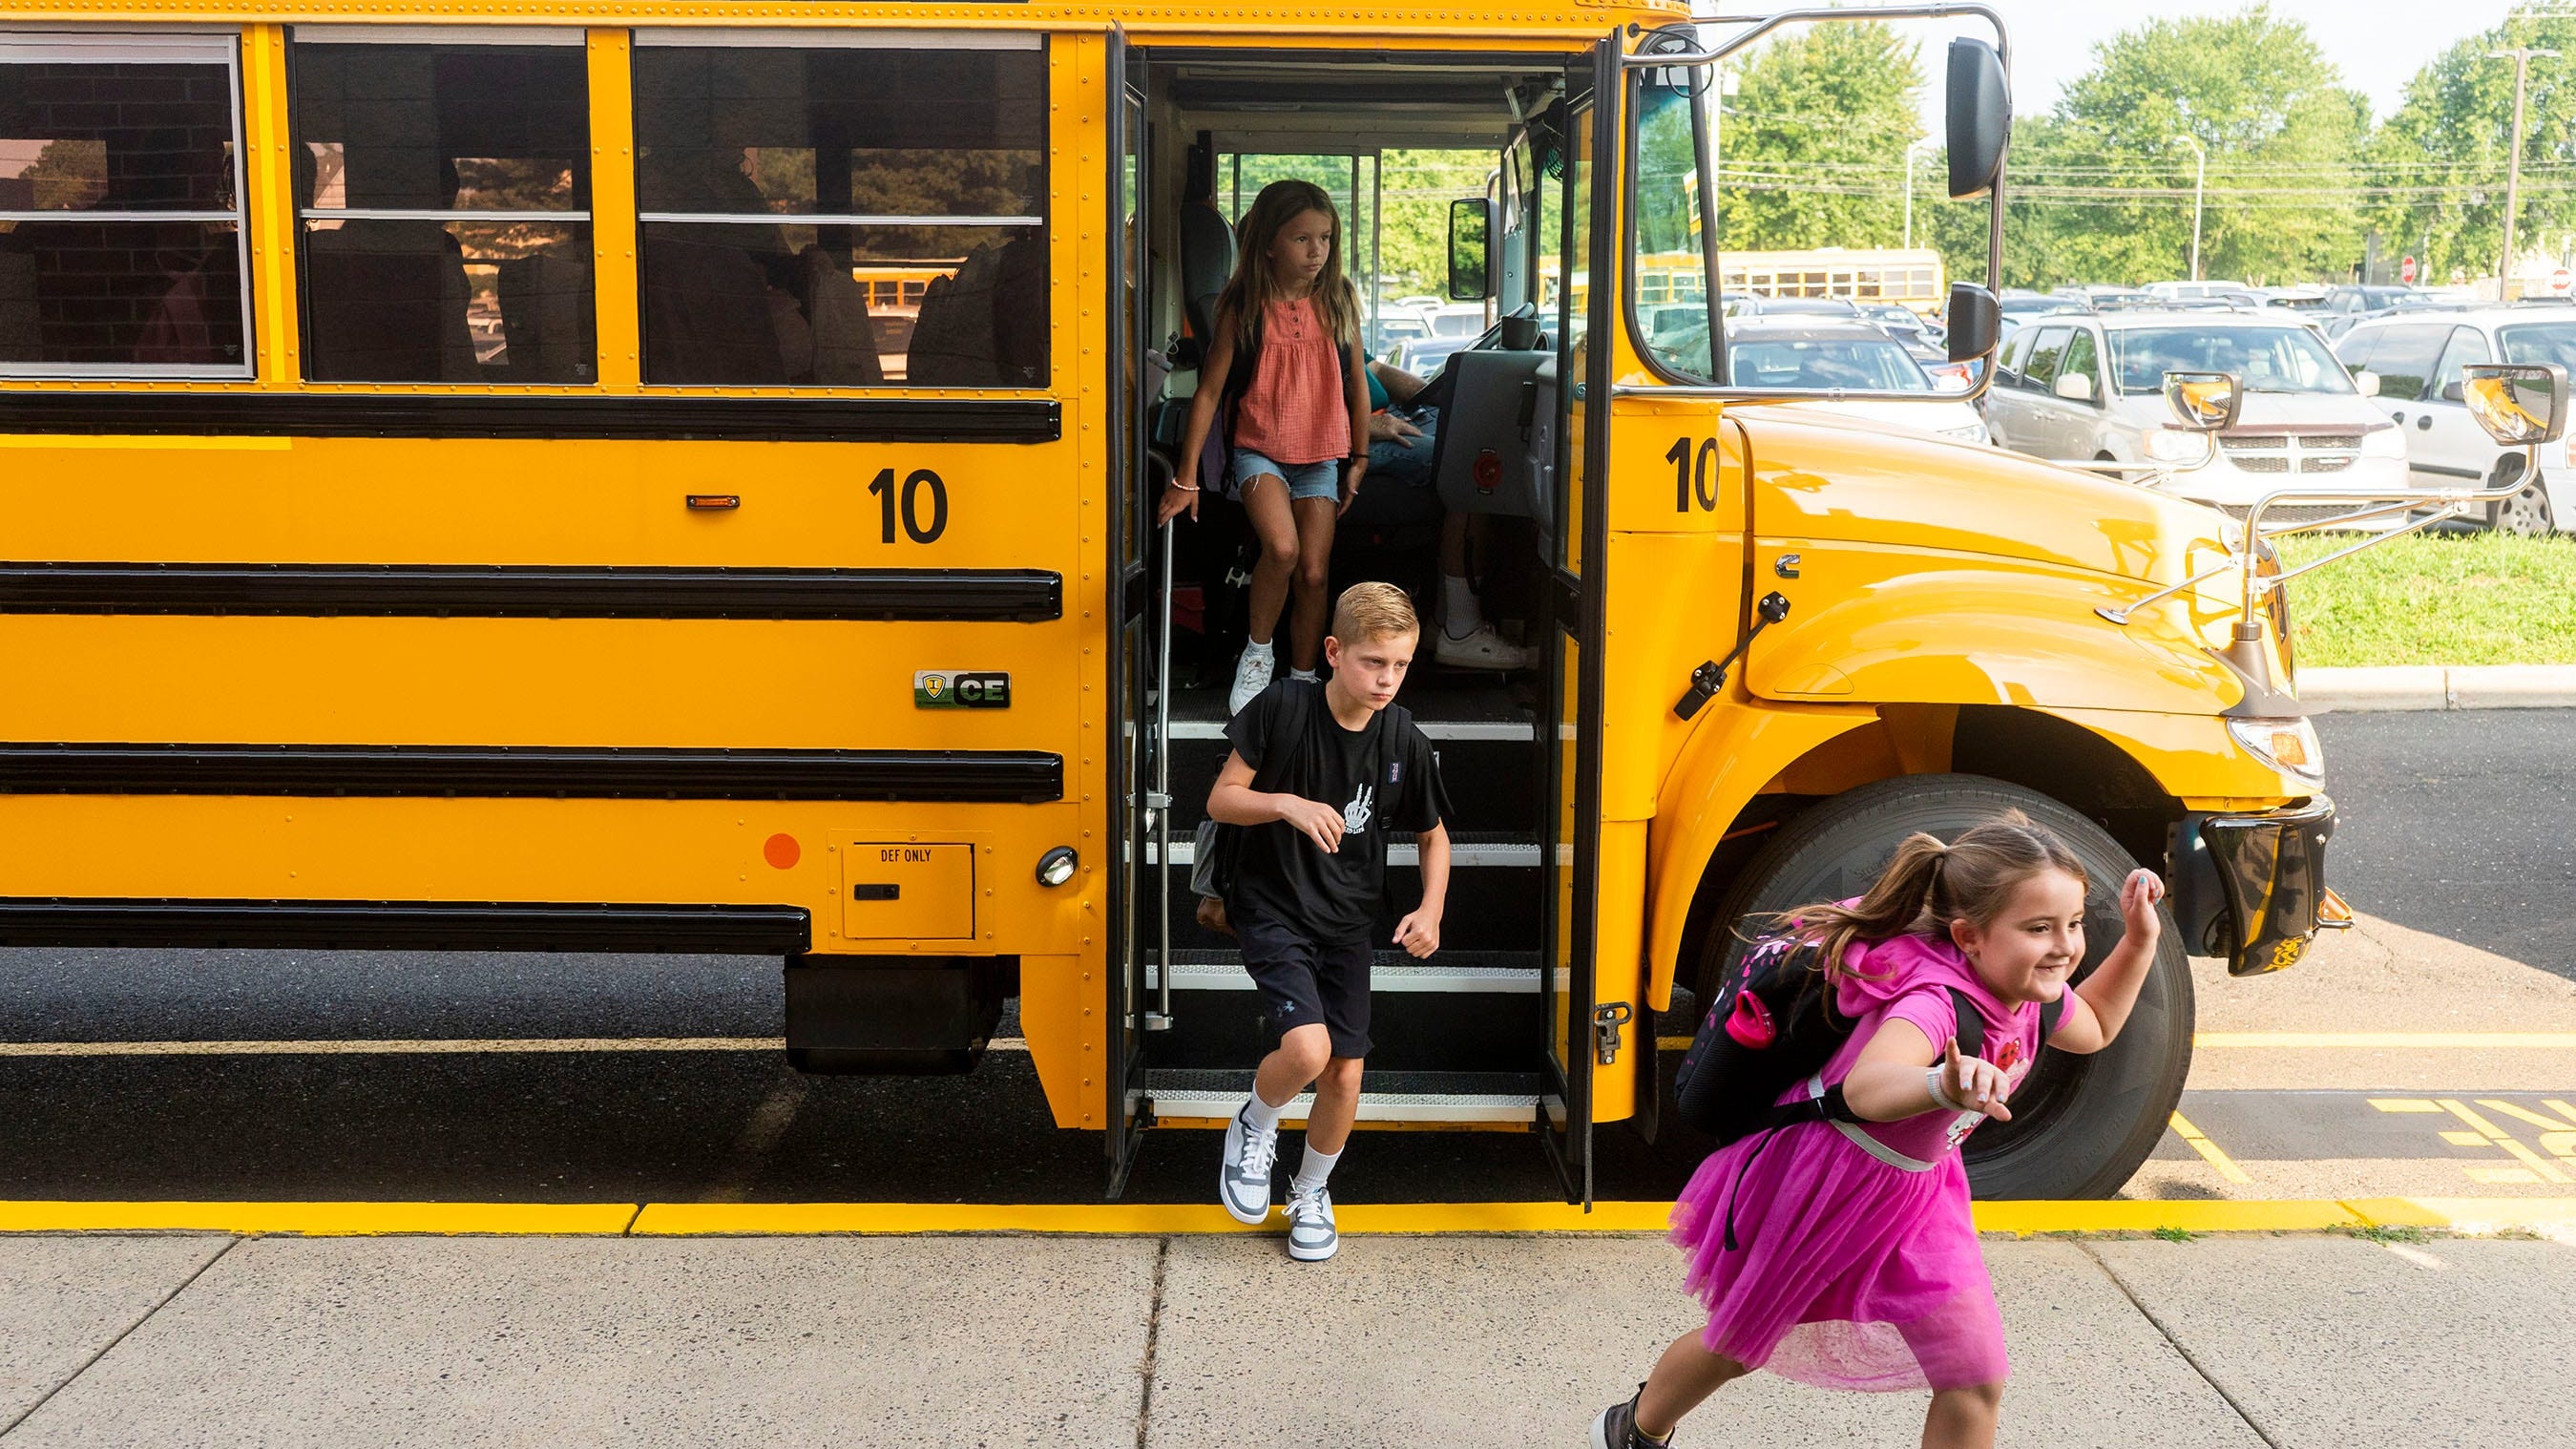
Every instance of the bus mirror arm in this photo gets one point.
(1710, 677)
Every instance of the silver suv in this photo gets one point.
(2091, 388)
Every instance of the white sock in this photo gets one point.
(1256, 649)
(1459, 615)
(1317, 1166)
(1307, 675)
(1260, 1115)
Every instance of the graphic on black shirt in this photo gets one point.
(1385, 780)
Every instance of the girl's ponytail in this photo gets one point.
(1927, 885)
(1893, 905)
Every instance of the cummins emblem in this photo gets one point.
(961, 689)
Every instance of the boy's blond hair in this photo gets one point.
(1373, 611)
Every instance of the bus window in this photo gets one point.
(443, 196)
(120, 208)
(781, 183)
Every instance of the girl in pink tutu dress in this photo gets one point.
(1841, 1253)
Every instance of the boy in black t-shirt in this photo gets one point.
(1319, 774)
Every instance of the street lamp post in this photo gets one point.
(2522, 56)
(2199, 188)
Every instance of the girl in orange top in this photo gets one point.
(1299, 420)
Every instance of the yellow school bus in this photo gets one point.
(461, 495)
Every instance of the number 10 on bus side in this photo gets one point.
(1694, 474)
(920, 504)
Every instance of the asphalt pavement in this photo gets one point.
(2453, 842)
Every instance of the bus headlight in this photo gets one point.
(1057, 866)
(2287, 745)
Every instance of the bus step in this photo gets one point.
(1510, 973)
(1464, 1099)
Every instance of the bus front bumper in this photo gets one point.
(2252, 887)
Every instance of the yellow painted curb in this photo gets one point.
(2469, 1214)
(2257, 1216)
(318, 1219)
(2555, 1216)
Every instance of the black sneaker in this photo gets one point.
(1617, 1428)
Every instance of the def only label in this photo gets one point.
(961, 689)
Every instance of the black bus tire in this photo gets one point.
(2081, 1124)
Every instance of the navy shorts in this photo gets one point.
(1303, 980)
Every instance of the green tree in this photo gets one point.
(1812, 144)
(2437, 167)
(2100, 190)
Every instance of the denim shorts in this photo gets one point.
(1305, 480)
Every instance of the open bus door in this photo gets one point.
(1141, 656)
(1571, 740)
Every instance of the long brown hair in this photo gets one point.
(1928, 885)
(1250, 291)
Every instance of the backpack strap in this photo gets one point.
(1972, 1022)
(2049, 1014)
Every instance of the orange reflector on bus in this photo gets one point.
(715, 500)
(2333, 912)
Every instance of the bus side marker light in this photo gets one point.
(781, 851)
(1057, 866)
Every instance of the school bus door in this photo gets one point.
(1578, 547)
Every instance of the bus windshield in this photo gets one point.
(2264, 359)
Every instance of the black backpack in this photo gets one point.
(1731, 1081)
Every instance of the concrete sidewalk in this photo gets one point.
(2437, 686)
(1512, 1342)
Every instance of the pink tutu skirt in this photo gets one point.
(1848, 1272)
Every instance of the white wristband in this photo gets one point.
(1940, 1097)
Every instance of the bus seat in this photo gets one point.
(845, 339)
(1207, 261)
(1496, 409)
(387, 303)
(545, 317)
(706, 311)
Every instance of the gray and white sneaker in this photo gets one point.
(1243, 1179)
(1251, 676)
(1311, 1235)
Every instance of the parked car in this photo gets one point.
(2346, 305)
(1753, 306)
(1820, 352)
(2109, 299)
(2023, 306)
(1903, 323)
(2092, 387)
(2410, 362)
(2197, 291)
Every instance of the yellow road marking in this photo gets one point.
(2501, 1138)
(2394, 1040)
(2226, 1165)
(2406, 1104)
(2494, 1176)
(2545, 1124)
(2460, 1138)
(344, 1219)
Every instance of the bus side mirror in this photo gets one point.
(1979, 120)
(2205, 402)
(2520, 404)
(1975, 321)
(1471, 232)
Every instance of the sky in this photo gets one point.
(2377, 44)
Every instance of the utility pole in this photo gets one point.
(2199, 188)
(2522, 57)
(1909, 187)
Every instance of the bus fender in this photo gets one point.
(1726, 762)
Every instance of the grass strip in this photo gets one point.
(2435, 598)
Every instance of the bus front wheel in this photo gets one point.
(2080, 1124)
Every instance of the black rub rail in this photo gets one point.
(990, 776)
(641, 419)
(505, 591)
(750, 930)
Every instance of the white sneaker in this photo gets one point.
(1311, 1235)
(1251, 676)
(1243, 1179)
(1484, 649)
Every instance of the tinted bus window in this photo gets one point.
(780, 186)
(443, 196)
(120, 208)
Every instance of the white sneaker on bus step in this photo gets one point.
(1311, 1235)
(1483, 649)
(1251, 676)
(1243, 1179)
